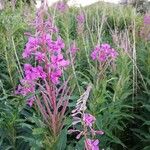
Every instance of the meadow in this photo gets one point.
(74, 78)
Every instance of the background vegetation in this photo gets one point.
(120, 99)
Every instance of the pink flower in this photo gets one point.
(54, 46)
(34, 73)
(100, 132)
(26, 87)
(102, 57)
(55, 76)
(92, 144)
(88, 119)
(61, 6)
(40, 72)
(113, 53)
(94, 132)
(50, 27)
(105, 46)
(26, 53)
(60, 43)
(147, 19)
(80, 18)
(79, 135)
(104, 52)
(39, 56)
(30, 101)
(94, 55)
(73, 48)
(95, 52)
(27, 67)
(31, 46)
(64, 63)
(57, 57)
(18, 89)
(58, 60)
(48, 39)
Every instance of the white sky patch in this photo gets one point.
(88, 2)
(113, 1)
(81, 2)
(77, 2)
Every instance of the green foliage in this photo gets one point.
(12, 28)
(121, 111)
(142, 113)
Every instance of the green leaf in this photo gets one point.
(146, 148)
(62, 140)
(80, 145)
(147, 123)
(38, 131)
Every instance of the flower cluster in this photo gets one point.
(25, 87)
(61, 6)
(104, 52)
(145, 30)
(28, 83)
(48, 55)
(30, 101)
(31, 47)
(73, 49)
(147, 19)
(80, 18)
(32, 74)
(56, 61)
(46, 64)
(92, 144)
(87, 121)
(57, 64)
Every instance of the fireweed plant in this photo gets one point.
(80, 18)
(61, 6)
(86, 121)
(105, 55)
(73, 51)
(147, 19)
(145, 30)
(41, 84)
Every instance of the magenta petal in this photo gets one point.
(79, 135)
(64, 63)
(99, 132)
(53, 59)
(30, 101)
(96, 142)
(60, 57)
(88, 119)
